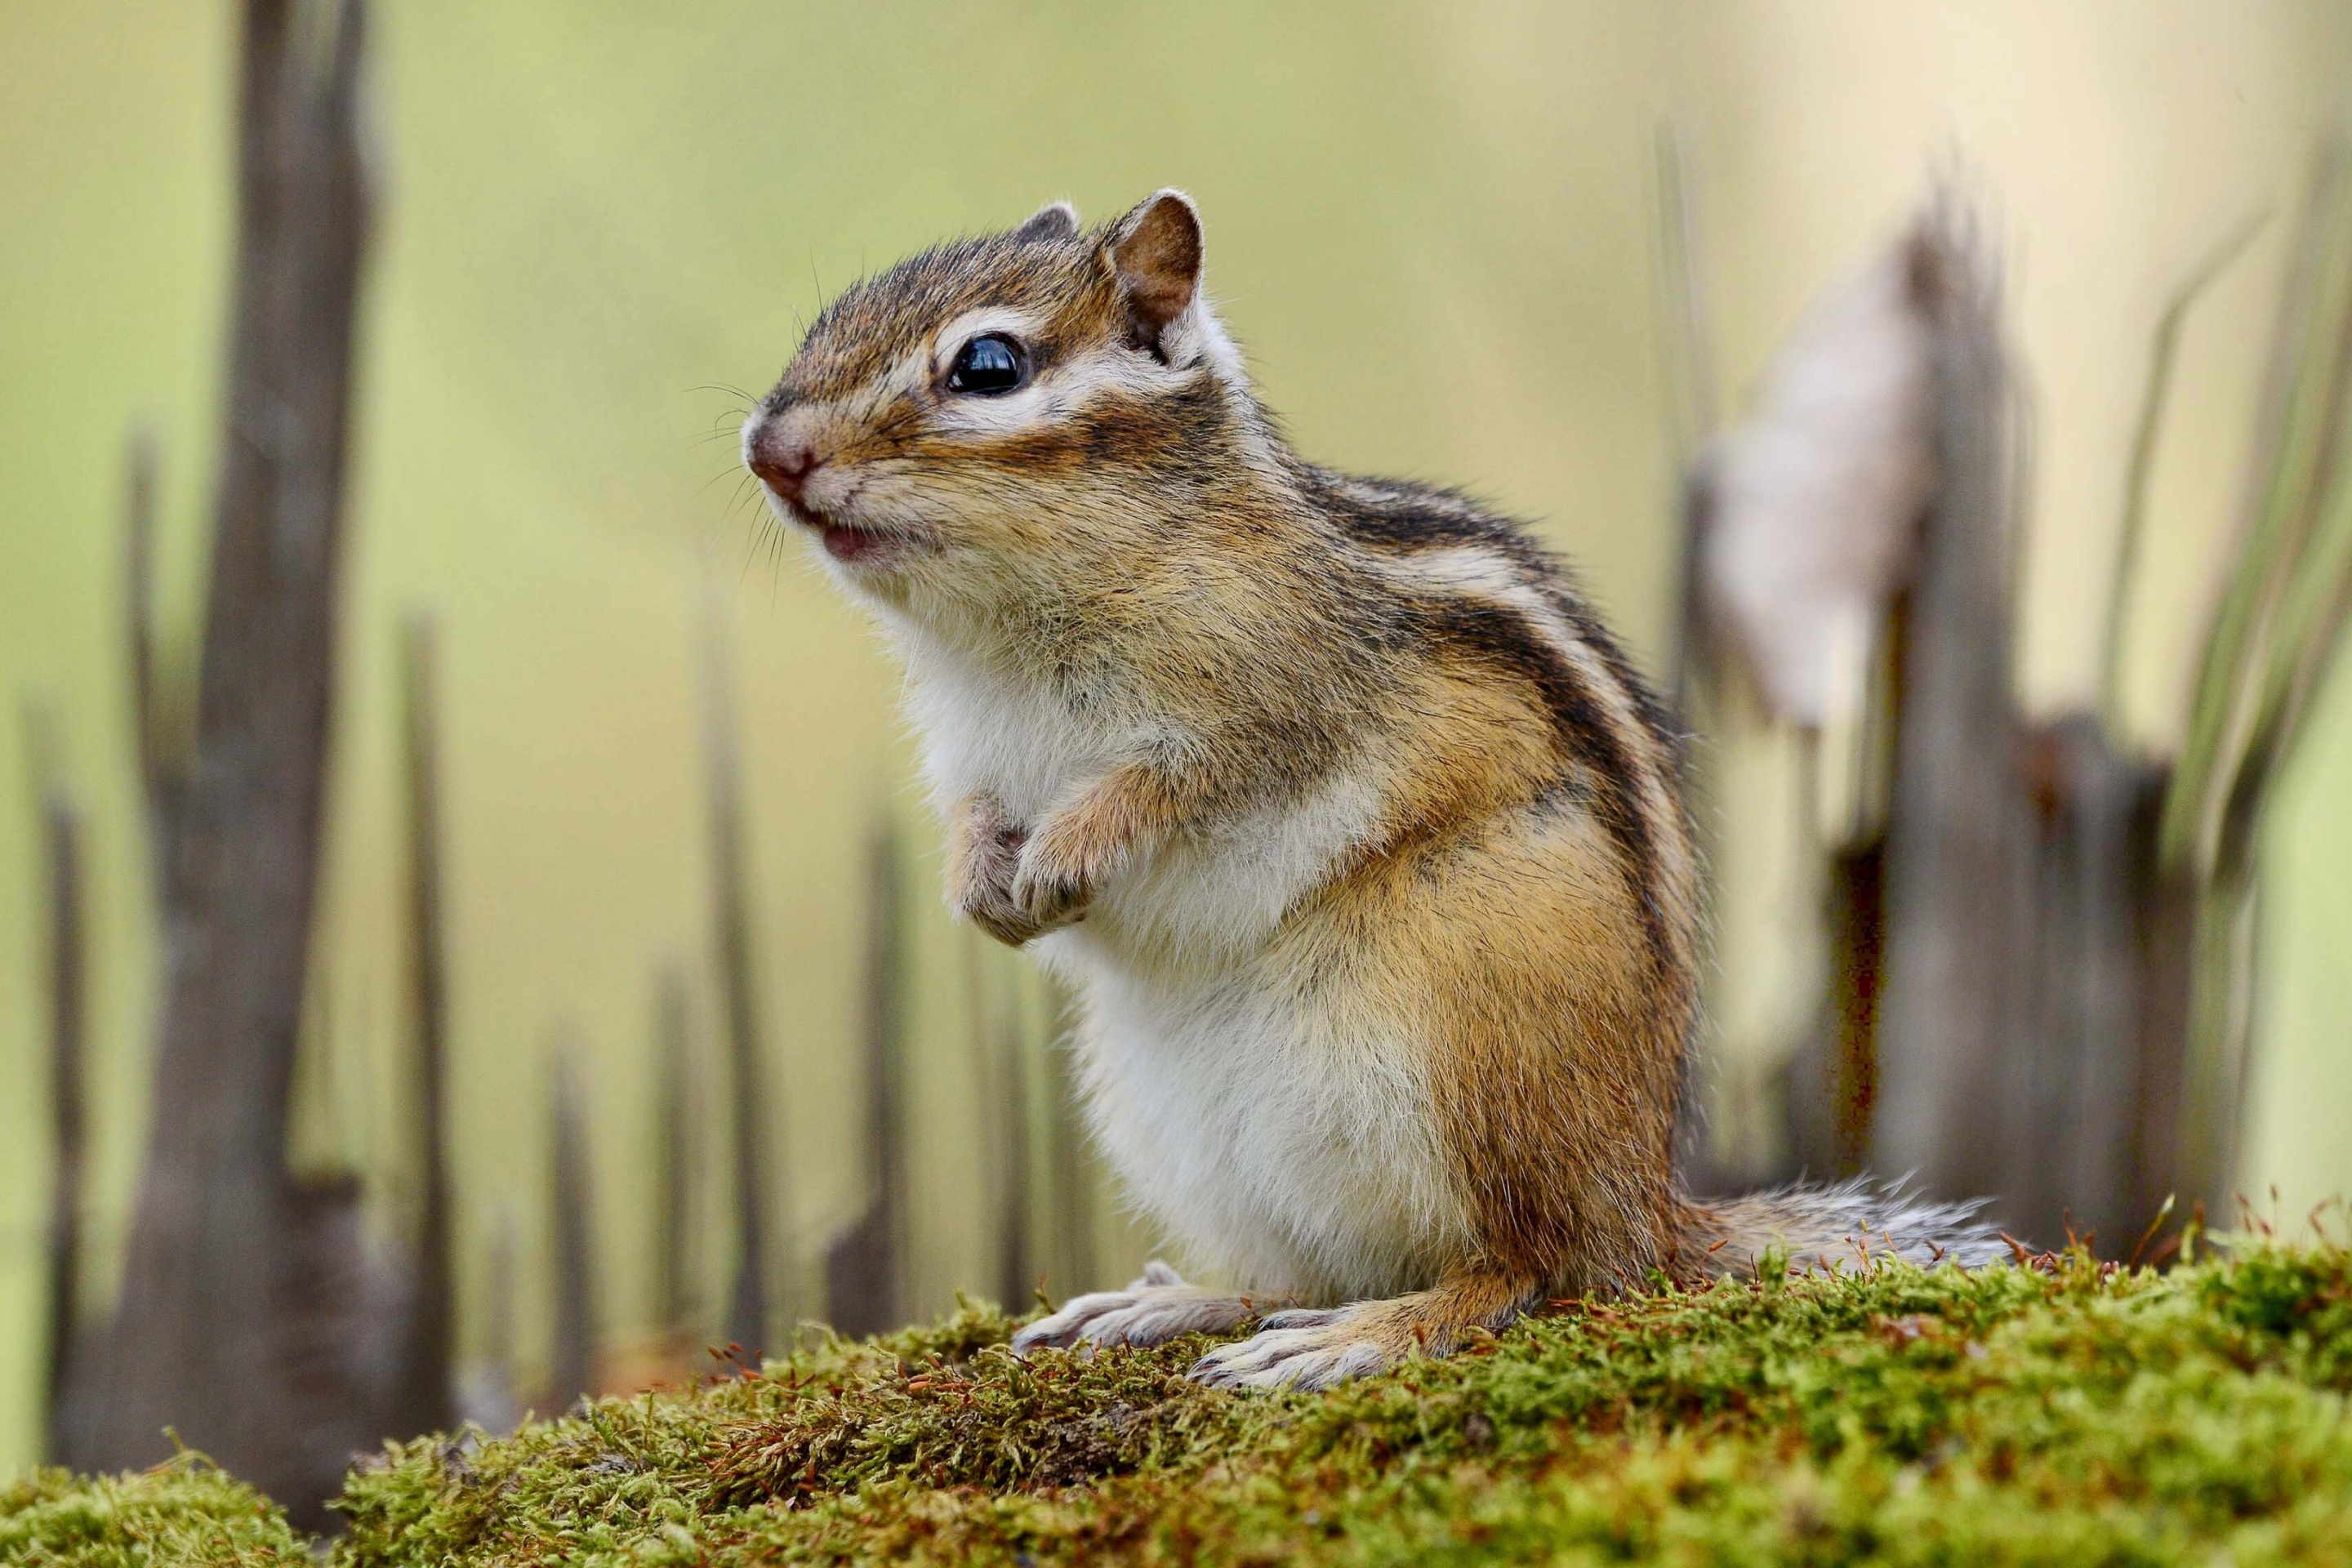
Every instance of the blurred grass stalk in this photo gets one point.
(766, 1260)
(2280, 620)
(572, 1371)
(64, 873)
(992, 1034)
(678, 1164)
(866, 1264)
(423, 1388)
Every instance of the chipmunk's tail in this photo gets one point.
(1841, 1225)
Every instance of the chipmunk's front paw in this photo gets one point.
(1153, 1310)
(1054, 880)
(987, 899)
(986, 853)
(1313, 1348)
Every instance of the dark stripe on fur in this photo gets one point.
(1394, 515)
(1501, 639)
(1405, 516)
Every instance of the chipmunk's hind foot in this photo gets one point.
(1316, 1348)
(1150, 1312)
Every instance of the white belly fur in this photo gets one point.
(1285, 1156)
(1289, 1154)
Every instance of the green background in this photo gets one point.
(1430, 225)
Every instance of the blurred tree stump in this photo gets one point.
(240, 1304)
(2040, 948)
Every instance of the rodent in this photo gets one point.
(1357, 837)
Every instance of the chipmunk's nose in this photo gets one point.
(782, 460)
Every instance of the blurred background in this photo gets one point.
(619, 843)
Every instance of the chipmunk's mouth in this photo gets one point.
(848, 543)
(844, 542)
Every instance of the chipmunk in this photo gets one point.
(1351, 827)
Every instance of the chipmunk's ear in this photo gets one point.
(1155, 254)
(1059, 221)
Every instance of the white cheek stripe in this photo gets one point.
(1076, 382)
(1053, 396)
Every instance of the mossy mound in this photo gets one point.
(182, 1512)
(2065, 1411)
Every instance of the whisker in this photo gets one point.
(745, 401)
(751, 548)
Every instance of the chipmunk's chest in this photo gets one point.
(1019, 738)
(1216, 888)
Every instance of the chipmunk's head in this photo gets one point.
(1007, 412)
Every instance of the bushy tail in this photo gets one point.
(1837, 1225)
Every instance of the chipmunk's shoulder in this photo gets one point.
(1410, 517)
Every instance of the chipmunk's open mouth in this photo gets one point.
(848, 543)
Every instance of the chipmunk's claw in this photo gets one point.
(1300, 1317)
(1001, 920)
(1045, 898)
(1309, 1350)
(1317, 1348)
(990, 856)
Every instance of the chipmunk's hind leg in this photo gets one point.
(1153, 1310)
(1317, 1348)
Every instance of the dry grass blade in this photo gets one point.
(2162, 356)
(2281, 616)
(2274, 602)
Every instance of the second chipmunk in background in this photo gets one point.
(1351, 828)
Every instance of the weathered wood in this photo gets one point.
(2047, 1046)
(2010, 1008)
(1956, 877)
(221, 1295)
(1832, 1083)
(2085, 1051)
(1857, 923)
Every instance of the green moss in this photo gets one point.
(2059, 1413)
(185, 1511)
(2065, 1413)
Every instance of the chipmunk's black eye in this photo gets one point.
(990, 365)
